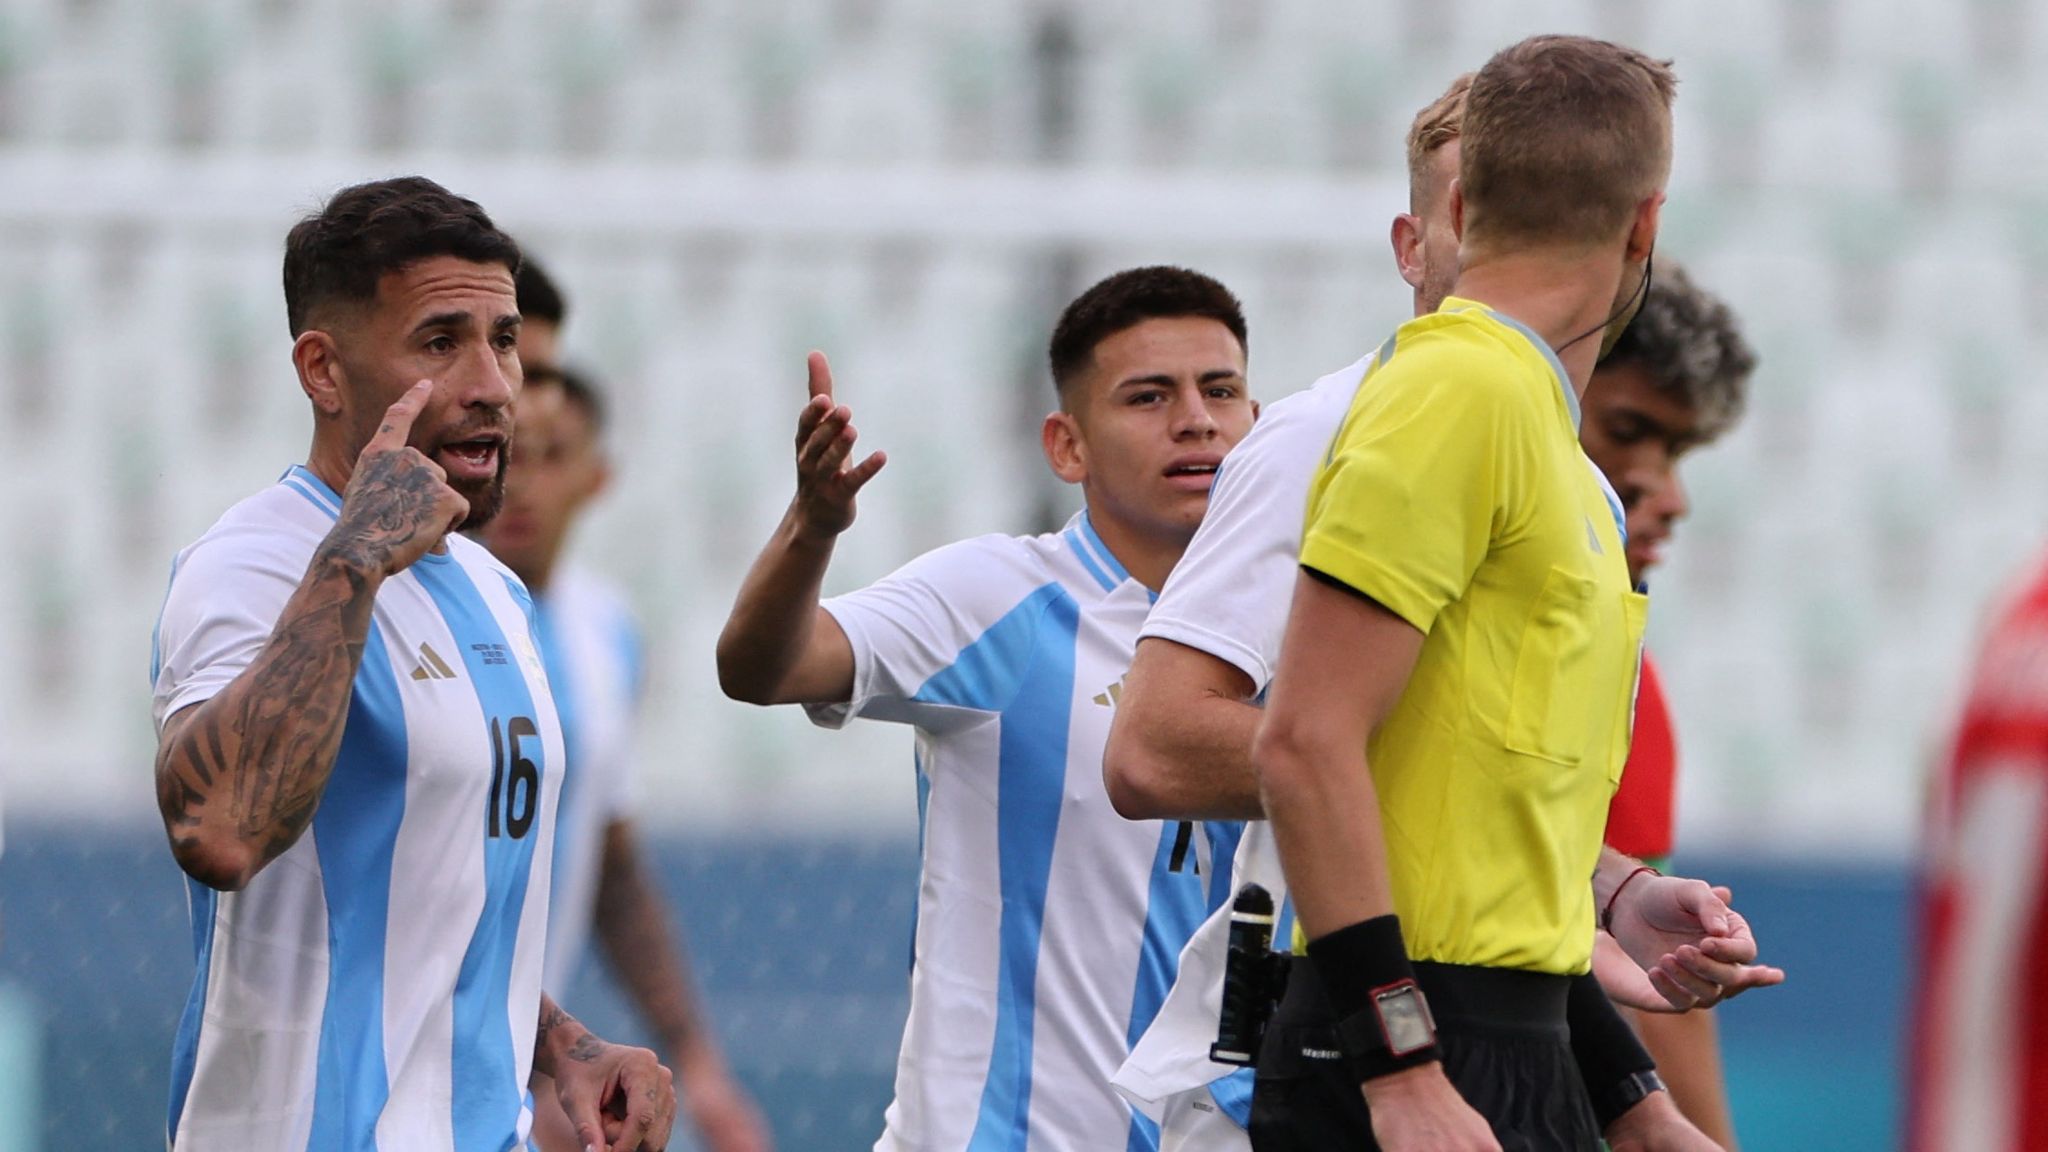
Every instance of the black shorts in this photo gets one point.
(1506, 1048)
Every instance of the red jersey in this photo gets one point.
(1641, 815)
(1979, 1050)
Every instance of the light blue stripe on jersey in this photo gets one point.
(1173, 910)
(365, 794)
(301, 478)
(924, 804)
(487, 1087)
(1095, 556)
(1224, 836)
(185, 1048)
(1233, 1094)
(1022, 666)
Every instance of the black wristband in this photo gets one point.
(1383, 1020)
(1617, 1069)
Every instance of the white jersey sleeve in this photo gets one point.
(1230, 593)
(917, 621)
(227, 593)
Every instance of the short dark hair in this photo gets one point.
(368, 231)
(540, 298)
(1129, 298)
(1689, 344)
(578, 389)
(1564, 137)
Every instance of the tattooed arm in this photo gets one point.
(239, 775)
(619, 1099)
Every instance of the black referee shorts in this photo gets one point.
(1506, 1048)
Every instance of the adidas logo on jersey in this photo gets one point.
(432, 667)
(1109, 696)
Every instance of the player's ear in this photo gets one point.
(600, 479)
(1642, 232)
(1406, 237)
(1458, 208)
(321, 375)
(1064, 449)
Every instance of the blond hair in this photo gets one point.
(1435, 126)
(1564, 137)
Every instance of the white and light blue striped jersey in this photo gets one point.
(591, 647)
(377, 986)
(1048, 927)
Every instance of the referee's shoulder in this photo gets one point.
(1452, 354)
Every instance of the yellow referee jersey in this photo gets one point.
(1456, 494)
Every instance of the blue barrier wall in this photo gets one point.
(802, 949)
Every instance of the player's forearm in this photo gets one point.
(1687, 1048)
(775, 613)
(1319, 796)
(239, 777)
(1182, 759)
(633, 928)
(560, 1037)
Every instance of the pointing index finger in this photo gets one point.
(820, 375)
(398, 418)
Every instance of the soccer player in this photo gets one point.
(590, 646)
(1181, 741)
(1048, 926)
(1451, 708)
(1978, 1051)
(359, 756)
(1674, 381)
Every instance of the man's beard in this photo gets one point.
(485, 497)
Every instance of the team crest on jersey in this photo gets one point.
(529, 656)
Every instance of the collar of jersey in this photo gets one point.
(1564, 380)
(301, 479)
(1093, 554)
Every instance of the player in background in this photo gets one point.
(1451, 709)
(359, 756)
(1181, 743)
(1674, 381)
(1978, 1051)
(592, 643)
(1047, 925)
(591, 647)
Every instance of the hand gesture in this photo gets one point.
(618, 1099)
(1696, 949)
(825, 485)
(1418, 1110)
(398, 504)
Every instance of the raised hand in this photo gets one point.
(398, 505)
(1697, 950)
(825, 485)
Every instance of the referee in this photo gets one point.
(1451, 710)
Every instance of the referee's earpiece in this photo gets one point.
(1628, 309)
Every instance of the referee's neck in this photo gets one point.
(1563, 297)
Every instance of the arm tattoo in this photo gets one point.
(551, 1018)
(250, 764)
